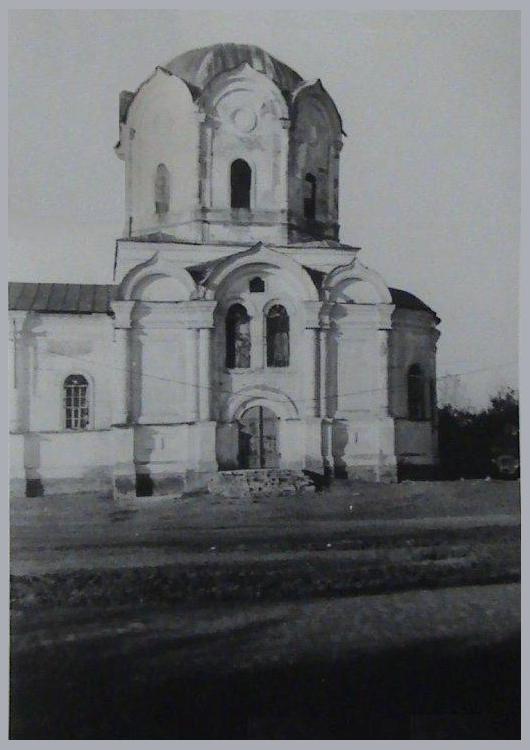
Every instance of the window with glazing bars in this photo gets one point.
(76, 402)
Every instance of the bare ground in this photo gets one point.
(368, 611)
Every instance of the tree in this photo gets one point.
(480, 444)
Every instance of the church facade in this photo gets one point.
(240, 332)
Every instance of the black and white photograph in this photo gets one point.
(263, 372)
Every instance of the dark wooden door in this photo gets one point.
(258, 439)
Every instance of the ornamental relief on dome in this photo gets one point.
(244, 119)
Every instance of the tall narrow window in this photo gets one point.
(277, 337)
(76, 402)
(416, 387)
(162, 189)
(310, 196)
(237, 337)
(240, 181)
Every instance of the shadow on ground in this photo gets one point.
(435, 692)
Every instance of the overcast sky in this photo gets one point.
(430, 170)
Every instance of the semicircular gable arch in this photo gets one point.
(160, 81)
(157, 280)
(341, 277)
(314, 92)
(271, 398)
(255, 257)
(242, 78)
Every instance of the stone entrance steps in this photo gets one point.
(252, 482)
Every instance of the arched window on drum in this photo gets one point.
(237, 337)
(240, 183)
(418, 392)
(162, 190)
(277, 337)
(76, 404)
(310, 196)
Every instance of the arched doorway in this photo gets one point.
(258, 439)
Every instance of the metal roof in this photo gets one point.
(408, 301)
(61, 298)
(97, 298)
(198, 66)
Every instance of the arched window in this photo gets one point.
(237, 337)
(240, 181)
(416, 388)
(162, 189)
(76, 402)
(310, 196)
(277, 337)
(432, 404)
(256, 285)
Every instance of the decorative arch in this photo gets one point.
(260, 255)
(275, 400)
(157, 279)
(315, 93)
(343, 276)
(158, 81)
(242, 78)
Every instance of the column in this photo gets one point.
(323, 354)
(382, 379)
(121, 362)
(204, 401)
(257, 337)
(12, 353)
(192, 341)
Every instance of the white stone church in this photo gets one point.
(239, 333)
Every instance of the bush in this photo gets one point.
(480, 444)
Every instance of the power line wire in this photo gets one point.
(218, 390)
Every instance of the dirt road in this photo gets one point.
(365, 613)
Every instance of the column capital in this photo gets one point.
(17, 319)
(197, 313)
(378, 316)
(122, 310)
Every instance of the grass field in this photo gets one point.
(368, 611)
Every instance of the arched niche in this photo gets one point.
(245, 117)
(314, 147)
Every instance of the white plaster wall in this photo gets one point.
(358, 360)
(412, 341)
(168, 381)
(162, 128)
(69, 454)
(51, 347)
(173, 450)
(162, 370)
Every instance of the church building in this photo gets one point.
(240, 333)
